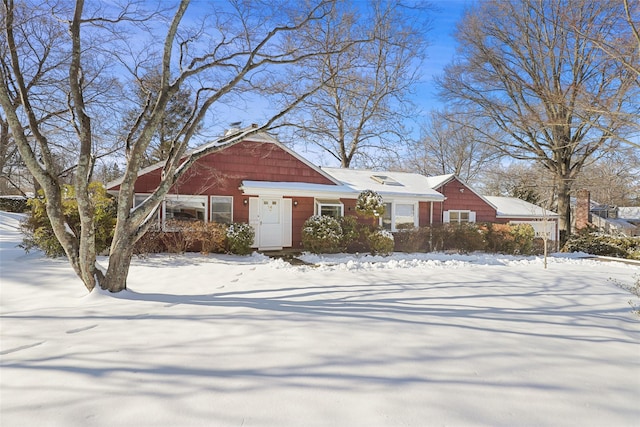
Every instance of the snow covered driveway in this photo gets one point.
(409, 340)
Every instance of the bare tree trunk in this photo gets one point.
(115, 280)
(564, 210)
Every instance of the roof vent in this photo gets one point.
(385, 180)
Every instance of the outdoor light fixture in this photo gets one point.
(295, 203)
(245, 202)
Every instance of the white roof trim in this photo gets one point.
(512, 207)
(303, 189)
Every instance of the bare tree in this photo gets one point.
(614, 179)
(559, 99)
(362, 108)
(213, 54)
(448, 146)
(178, 110)
(525, 181)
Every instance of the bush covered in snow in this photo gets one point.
(370, 204)
(380, 242)
(16, 204)
(240, 237)
(322, 234)
(599, 244)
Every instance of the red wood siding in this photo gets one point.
(221, 174)
(465, 200)
(299, 214)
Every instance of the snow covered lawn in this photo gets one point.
(415, 340)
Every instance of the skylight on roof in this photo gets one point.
(385, 180)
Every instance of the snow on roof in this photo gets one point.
(629, 212)
(512, 207)
(438, 180)
(386, 183)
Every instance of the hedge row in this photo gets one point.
(604, 245)
(469, 237)
(205, 237)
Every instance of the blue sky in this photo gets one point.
(442, 47)
(444, 16)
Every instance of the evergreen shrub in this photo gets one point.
(17, 204)
(38, 232)
(370, 204)
(604, 245)
(240, 237)
(412, 240)
(381, 242)
(322, 234)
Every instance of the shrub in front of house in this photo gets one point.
(599, 244)
(353, 235)
(412, 239)
(498, 238)
(149, 243)
(17, 204)
(464, 238)
(322, 234)
(177, 237)
(370, 204)
(523, 236)
(38, 232)
(380, 242)
(212, 236)
(240, 237)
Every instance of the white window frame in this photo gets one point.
(331, 203)
(447, 216)
(211, 201)
(394, 204)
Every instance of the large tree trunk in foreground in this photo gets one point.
(64, 57)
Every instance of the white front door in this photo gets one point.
(270, 223)
(271, 217)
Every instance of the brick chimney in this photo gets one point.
(583, 203)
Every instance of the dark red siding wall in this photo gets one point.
(437, 212)
(221, 174)
(425, 217)
(299, 215)
(466, 200)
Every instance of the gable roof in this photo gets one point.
(512, 207)
(440, 180)
(260, 137)
(386, 183)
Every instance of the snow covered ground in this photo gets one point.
(409, 340)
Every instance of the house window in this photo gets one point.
(185, 208)
(405, 216)
(137, 201)
(332, 208)
(399, 216)
(459, 216)
(222, 209)
(387, 219)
